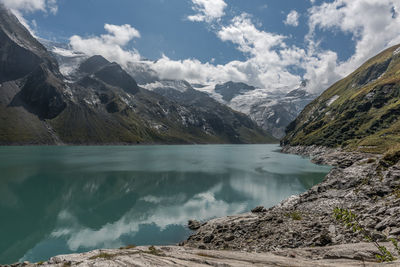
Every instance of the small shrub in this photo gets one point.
(397, 192)
(350, 220)
(102, 255)
(128, 247)
(391, 157)
(295, 215)
(396, 245)
(154, 251)
(205, 255)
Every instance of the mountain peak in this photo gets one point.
(20, 52)
(93, 64)
(230, 89)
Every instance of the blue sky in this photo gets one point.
(267, 43)
(165, 29)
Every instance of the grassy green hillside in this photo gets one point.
(360, 112)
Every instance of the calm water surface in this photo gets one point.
(58, 200)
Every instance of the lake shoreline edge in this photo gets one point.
(298, 231)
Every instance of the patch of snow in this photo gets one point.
(333, 99)
(210, 90)
(152, 86)
(158, 127)
(396, 52)
(180, 86)
(92, 100)
(66, 52)
(381, 75)
(126, 101)
(67, 70)
(259, 97)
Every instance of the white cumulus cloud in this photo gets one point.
(373, 24)
(32, 5)
(292, 18)
(110, 45)
(270, 62)
(208, 10)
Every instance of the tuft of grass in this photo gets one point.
(295, 215)
(102, 255)
(396, 192)
(128, 247)
(154, 251)
(391, 157)
(350, 220)
(206, 255)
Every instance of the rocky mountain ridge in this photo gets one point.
(272, 111)
(97, 103)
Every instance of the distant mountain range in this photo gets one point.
(360, 112)
(272, 111)
(94, 101)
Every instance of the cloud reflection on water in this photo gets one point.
(74, 199)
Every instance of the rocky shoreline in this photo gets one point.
(297, 232)
(357, 182)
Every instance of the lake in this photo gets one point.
(59, 200)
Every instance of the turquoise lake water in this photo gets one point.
(59, 200)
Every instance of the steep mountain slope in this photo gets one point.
(359, 112)
(99, 103)
(31, 88)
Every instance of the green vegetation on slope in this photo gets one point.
(359, 112)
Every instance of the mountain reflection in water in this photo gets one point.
(58, 200)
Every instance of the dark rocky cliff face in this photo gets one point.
(42, 93)
(21, 53)
(93, 64)
(114, 75)
(17, 61)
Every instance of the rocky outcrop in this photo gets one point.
(357, 182)
(361, 254)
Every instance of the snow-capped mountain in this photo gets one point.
(105, 96)
(272, 111)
